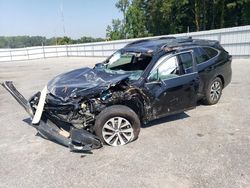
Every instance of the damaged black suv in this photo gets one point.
(145, 80)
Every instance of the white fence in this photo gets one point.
(235, 40)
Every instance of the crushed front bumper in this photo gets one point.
(78, 139)
(75, 139)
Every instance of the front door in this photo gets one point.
(171, 88)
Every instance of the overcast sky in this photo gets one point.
(43, 17)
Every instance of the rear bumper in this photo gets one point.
(228, 74)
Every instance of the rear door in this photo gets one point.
(172, 87)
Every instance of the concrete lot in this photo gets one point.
(205, 147)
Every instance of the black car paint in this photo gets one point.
(84, 82)
(76, 97)
(174, 95)
(215, 67)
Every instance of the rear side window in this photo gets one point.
(200, 55)
(186, 60)
(211, 52)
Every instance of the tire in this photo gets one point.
(117, 125)
(213, 92)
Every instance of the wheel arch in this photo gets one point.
(222, 79)
(117, 110)
(134, 103)
(134, 99)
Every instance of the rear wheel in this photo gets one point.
(117, 125)
(213, 92)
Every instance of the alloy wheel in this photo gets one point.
(215, 91)
(117, 131)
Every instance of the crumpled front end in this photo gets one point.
(49, 126)
(66, 109)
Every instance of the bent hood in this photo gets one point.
(84, 82)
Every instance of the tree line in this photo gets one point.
(27, 41)
(143, 18)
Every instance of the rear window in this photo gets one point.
(200, 55)
(211, 52)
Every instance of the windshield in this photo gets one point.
(128, 62)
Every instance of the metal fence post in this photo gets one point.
(219, 38)
(43, 52)
(10, 56)
(102, 51)
(28, 53)
(56, 52)
(92, 47)
(67, 50)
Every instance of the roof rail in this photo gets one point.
(161, 38)
(184, 39)
(145, 40)
(137, 42)
(178, 41)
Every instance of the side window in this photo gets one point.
(186, 60)
(210, 52)
(200, 55)
(166, 70)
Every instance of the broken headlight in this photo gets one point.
(105, 95)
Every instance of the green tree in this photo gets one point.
(64, 40)
(123, 5)
(114, 32)
(26, 41)
(174, 16)
(136, 21)
(117, 29)
(240, 9)
(154, 16)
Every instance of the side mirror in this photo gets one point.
(155, 78)
(99, 65)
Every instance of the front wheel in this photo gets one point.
(213, 92)
(117, 125)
